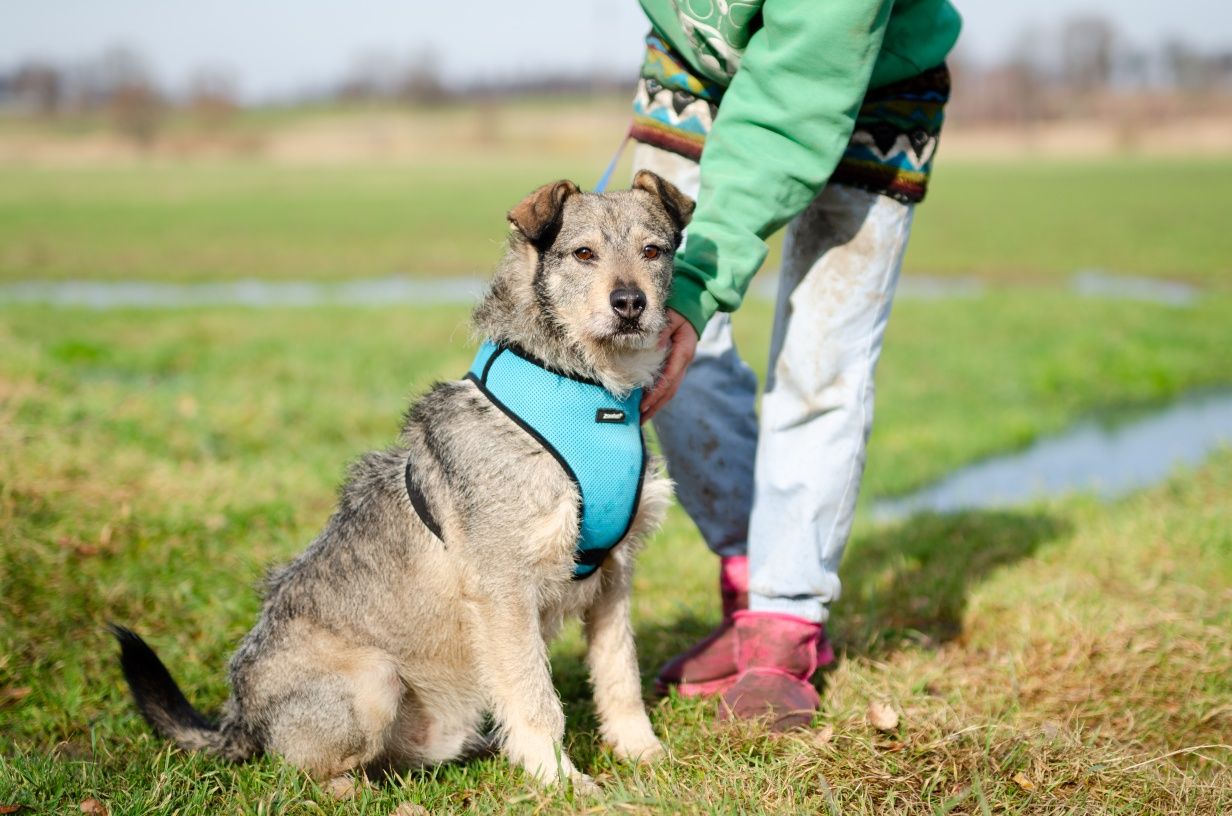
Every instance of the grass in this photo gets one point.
(1044, 219)
(1068, 657)
(237, 219)
(1065, 658)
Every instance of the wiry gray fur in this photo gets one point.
(382, 645)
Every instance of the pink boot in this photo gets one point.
(709, 666)
(776, 656)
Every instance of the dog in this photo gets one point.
(453, 558)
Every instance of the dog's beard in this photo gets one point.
(622, 334)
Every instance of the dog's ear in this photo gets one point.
(538, 216)
(679, 206)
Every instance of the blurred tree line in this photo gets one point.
(1084, 68)
(119, 86)
(1081, 67)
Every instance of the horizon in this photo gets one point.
(285, 50)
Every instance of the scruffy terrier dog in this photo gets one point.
(454, 557)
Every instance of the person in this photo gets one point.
(824, 117)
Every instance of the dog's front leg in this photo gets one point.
(613, 669)
(513, 663)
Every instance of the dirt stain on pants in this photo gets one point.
(783, 487)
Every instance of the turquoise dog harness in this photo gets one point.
(595, 437)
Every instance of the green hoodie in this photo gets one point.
(796, 72)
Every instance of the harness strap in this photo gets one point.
(594, 437)
(420, 503)
(606, 178)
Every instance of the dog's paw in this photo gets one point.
(346, 787)
(555, 772)
(634, 740)
(643, 753)
(584, 785)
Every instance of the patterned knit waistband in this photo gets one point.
(895, 139)
(673, 108)
(890, 152)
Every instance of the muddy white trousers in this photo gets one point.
(783, 487)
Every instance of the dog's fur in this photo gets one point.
(382, 646)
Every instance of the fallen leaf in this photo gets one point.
(892, 747)
(410, 809)
(10, 808)
(93, 806)
(881, 716)
(11, 694)
(1020, 779)
(823, 735)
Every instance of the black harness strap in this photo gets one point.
(415, 493)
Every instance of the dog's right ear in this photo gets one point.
(538, 216)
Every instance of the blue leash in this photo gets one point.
(611, 166)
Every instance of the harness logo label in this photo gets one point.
(614, 416)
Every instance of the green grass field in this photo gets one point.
(1067, 657)
(235, 219)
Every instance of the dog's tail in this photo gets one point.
(167, 711)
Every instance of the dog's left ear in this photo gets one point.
(538, 216)
(679, 206)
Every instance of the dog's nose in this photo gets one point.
(628, 303)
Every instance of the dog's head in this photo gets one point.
(588, 273)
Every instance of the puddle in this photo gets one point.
(924, 287)
(400, 290)
(1107, 460)
(910, 287)
(395, 290)
(1101, 284)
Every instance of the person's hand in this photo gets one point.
(682, 337)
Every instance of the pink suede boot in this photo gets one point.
(776, 654)
(709, 666)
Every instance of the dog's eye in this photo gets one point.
(650, 252)
(584, 254)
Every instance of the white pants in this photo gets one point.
(784, 488)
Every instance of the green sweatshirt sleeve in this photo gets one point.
(782, 127)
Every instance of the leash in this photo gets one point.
(601, 186)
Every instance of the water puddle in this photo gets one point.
(402, 290)
(1098, 283)
(910, 287)
(1105, 459)
(396, 290)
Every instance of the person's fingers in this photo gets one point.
(665, 336)
(680, 339)
(663, 396)
(651, 399)
(651, 406)
(669, 380)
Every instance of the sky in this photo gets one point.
(274, 48)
